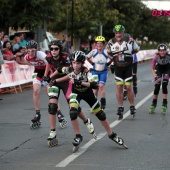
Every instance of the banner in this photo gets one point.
(14, 74)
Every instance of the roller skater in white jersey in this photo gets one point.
(37, 59)
(83, 83)
(100, 60)
(161, 72)
(121, 49)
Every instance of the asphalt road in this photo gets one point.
(147, 136)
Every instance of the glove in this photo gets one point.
(112, 69)
(59, 69)
(77, 82)
(135, 90)
(47, 79)
(52, 83)
(157, 79)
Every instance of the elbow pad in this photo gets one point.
(94, 85)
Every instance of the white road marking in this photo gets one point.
(82, 149)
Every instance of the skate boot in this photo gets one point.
(103, 103)
(117, 139)
(61, 119)
(132, 111)
(163, 109)
(36, 121)
(90, 128)
(52, 141)
(77, 140)
(152, 109)
(120, 112)
(125, 95)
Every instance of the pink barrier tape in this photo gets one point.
(14, 74)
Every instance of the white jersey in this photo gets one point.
(126, 48)
(100, 60)
(39, 62)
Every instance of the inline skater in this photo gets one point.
(161, 71)
(53, 62)
(121, 48)
(134, 72)
(83, 83)
(37, 59)
(100, 60)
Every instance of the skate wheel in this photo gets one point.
(94, 136)
(133, 117)
(120, 117)
(125, 146)
(52, 143)
(75, 148)
(63, 123)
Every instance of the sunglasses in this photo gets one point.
(55, 49)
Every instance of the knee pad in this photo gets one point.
(53, 92)
(157, 88)
(101, 115)
(73, 113)
(164, 87)
(52, 108)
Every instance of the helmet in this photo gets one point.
(126, 35)
(56, 42)
(31, 44)
(100, 39)
(78, 56)
(119, 28)
(162, 47)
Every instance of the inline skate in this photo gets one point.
(103, 103)
(77, 140)
(120, 112)
(117, 139)
(163, 109)
(36, 121)
(52, 140)
(132, 111)
(90, 128)
(152, 109)
(61, 119)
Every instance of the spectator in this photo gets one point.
(7, 51)
(16, 44)
(20, 56)
(66, 45)
(1, 62)
(4, 38)
(22, 40)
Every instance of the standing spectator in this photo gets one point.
(16, 44)
(1, 62)
(4, 38)
(122, 49)
(7, 51)
(22, 40)
(20, 56)
(66, 45)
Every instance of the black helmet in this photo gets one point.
(162, 47)
(31, 44)
(78, 56)
(56, 42)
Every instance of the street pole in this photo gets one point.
(72, 25)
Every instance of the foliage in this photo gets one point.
(88, 16)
